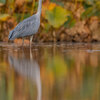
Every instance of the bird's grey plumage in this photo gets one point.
(28, 26)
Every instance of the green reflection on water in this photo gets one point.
(50, 72)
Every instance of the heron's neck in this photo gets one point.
(39, 7)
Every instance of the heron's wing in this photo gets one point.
(25, 24)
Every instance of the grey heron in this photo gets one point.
(27, 27)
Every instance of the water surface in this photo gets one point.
(50, 72)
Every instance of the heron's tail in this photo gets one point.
(10, 35)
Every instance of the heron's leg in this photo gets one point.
(31, 40)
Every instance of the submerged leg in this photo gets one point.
(31, 40)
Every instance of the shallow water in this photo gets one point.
(50, 72)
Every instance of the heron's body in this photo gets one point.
(27, 27)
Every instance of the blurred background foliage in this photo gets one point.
(61, 20)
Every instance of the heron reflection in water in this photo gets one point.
(28, 68)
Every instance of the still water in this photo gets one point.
(50, 72)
